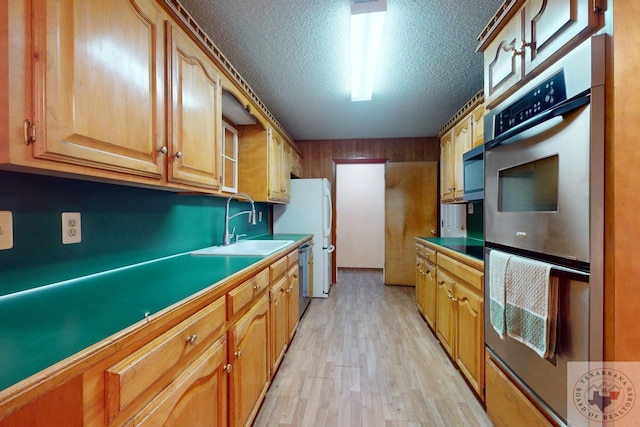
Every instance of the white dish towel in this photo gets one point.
(498, 262)
(531, 309)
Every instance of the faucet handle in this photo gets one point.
(238, 236)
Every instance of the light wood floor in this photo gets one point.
(365, 357)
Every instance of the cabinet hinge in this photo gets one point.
(599, 6)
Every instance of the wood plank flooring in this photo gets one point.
(365, 357)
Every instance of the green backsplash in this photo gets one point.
(121, 226)
(474, 221)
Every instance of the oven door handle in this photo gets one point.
(559, 110)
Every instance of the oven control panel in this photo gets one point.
(538, 100)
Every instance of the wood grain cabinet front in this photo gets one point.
(279, 333)
(194, 114)
(464, 131)
(506, 405)
(460, 317)
(249, 357)
(140, 377)
(97, 89)
(426, 288)
(264, 172)
(243, 295)
(198, 397)
(537, 34)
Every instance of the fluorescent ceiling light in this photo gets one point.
(367, 23)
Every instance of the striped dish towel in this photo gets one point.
(498, 262)
(531, 309)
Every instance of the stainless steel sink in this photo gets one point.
(245, 248)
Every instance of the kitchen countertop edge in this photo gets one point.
(23, 392)
(466, 259)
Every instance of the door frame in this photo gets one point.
(334, 188)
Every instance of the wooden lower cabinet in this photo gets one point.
(279, 332)
(470, 336)
(249, 358)
(197, 398)
(460, 320)
(445, 322)
(61, 407)
(506, 405)
(293, 299)
(426, 288)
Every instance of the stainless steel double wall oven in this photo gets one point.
(544, 174)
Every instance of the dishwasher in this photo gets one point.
(305, 264)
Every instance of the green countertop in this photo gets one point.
(42, 326)
(465, 245)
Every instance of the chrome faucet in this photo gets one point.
(252, 216)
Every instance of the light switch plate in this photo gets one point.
(470, 208)
(6, 230)
(71, 229)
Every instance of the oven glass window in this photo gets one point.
(529, 187)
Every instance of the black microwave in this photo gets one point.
(473, 170)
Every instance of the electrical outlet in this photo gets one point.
(6, 230)
(71, 228)
(259, 216)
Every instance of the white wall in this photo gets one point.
(360, 215)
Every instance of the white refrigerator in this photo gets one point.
(310, 212)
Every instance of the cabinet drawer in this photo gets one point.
(470, 275)
(238, 298)
(159, 362)
(426, 252)
(506, 405)
(278, 268)
(292, 258)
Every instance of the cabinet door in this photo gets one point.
(249, 353)
(446, 167)
(98, 84)
(195, 114)
(279, 332)
(445, 313)
(430, 294)
(477, 125)
(461, 144)
(293, 301)
(420, 283)
(285, 173)
(502, 67)
(229, 158)
(275, 162)
(470, 336)
(553, 27)
(197, 398)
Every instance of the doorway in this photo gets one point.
(360, 196)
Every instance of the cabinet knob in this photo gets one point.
(256, 287)
(227, 368)
(179, 154)
(238, 353)
(163, 150)
(191, 339)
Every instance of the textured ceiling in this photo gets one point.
(295, 56)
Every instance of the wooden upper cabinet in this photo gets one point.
(446, 167)
(553, 27)
(462, 135)
(477, 124)
(98, 84)
(275, 166)
(285, 173)
(503, 69)
(536, 35)
(195, 113)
